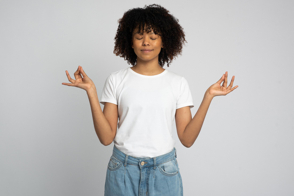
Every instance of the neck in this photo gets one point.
(148, 68)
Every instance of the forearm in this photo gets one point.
(193, 128)
(101, 125)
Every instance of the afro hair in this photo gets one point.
(150, 17)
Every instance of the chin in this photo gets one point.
(146, 59)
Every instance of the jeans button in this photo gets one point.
(142, 163)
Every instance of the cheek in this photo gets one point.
(158, 43)
(158, 46)
(136, 45)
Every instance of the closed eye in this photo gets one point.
(142, 38)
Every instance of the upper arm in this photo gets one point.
(110, 112)
(183, 117)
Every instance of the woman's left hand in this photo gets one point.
(218, 89)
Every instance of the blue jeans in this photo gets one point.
(135, 176)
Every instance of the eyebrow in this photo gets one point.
(139, 33)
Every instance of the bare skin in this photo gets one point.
(105, 122)
(147, 62)
(188, 129)
(82, 80)
(217, 89)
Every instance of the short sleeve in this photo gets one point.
(108, 92)
(185, 95)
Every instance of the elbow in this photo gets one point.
(186, 145)
(106, 140)
(189, 145)
(106, 143)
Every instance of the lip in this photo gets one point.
(146, 51)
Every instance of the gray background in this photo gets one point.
(48, 144)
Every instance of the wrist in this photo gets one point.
(91, 89)
(208, 95)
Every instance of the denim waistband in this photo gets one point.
(146, 162)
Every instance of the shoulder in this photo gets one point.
(118, 73)
(175, 78)
(116, 77)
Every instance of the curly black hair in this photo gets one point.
(160, 21)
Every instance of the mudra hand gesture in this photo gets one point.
(82, 80)
(218, 89)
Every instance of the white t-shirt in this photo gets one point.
(146, 109)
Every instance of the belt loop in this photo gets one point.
(176, 152)
(154, 160)
(126, 160)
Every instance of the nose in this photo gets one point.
(145, 40)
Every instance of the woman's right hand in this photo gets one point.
(81, 82)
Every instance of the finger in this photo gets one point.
(83, 72)
(225, 82)
(68, 84)
(69, 78)
(77, 74)
(233, 89)
(231, 83)
(221, 79)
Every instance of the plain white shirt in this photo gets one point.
(146, 109)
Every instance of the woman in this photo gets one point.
(146, 99)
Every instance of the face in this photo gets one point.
(147, 46)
